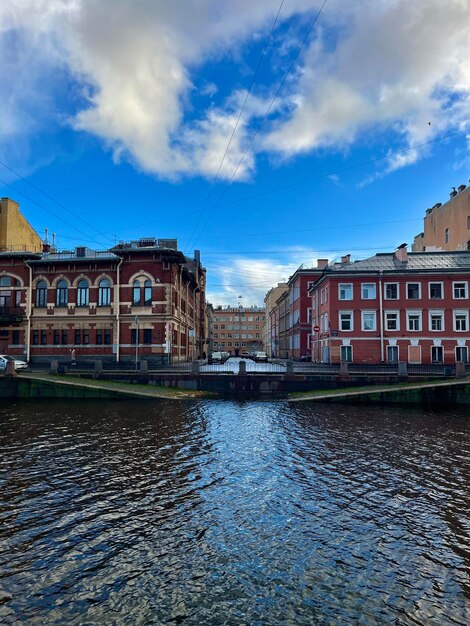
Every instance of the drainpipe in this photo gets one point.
(382, 356)
(118, 310)
(28, 313)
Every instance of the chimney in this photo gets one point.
(401, 253)
(461, 188)
(346, 260)
(322, 263)
(453, 193)
(428, 211)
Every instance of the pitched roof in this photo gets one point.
(417, 261)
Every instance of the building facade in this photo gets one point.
(16, 234)
(446, 226)
(141, 299)
(238, 330)
(392, 307)
(271, 339)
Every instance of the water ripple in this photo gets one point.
(233, 513)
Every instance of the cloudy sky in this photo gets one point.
(264, 133)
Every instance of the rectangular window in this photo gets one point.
(391, 291)
(56, 339)
(368, 291)
(392, 320)
(447, 235)
(78, 337)
(346, 354)
(460, 321)
(107, 336)
(147, 339)
(368, 320)
(392, 354)
(326, 294)
(345, 291)
(437, 354)
(436, 321)
(309, 315)
(99, 337)
(346, 320)
(461, 354)
(15, 337)
(43, 337)
(460, 290)
(65, 338)
(435, 291)
(35, 337)
(413, 291)
(86, 337)
(414, 320)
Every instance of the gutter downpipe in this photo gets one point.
(382, 354)
(118, 311)
(29, 310)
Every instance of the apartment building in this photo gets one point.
(271, 318)
(392, 307)
(238, 329)
(140, 299)
(446, 226)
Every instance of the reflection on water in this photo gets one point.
(233, 513)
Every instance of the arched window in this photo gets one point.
(83, 293)
(104, 292)
(142, 292)
(41, 294)
(62, 293)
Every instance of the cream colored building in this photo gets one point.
(16, 234)
(446, 226)
(270, 334)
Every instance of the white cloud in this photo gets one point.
(371, 67)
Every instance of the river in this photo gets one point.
(222, 512)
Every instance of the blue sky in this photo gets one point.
(353, 119)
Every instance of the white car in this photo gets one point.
(260, 357)
(19, 364)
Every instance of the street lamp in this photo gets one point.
(136, 341)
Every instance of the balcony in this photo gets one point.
(11, 315)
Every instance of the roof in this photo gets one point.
(417, 262)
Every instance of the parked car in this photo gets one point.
(218, 357)
(260, 357)
(19, 364)
(246, 355)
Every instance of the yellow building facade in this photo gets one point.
(16, 233)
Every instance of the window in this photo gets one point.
(368, 320)
(346, 354)
(56, 339)
(104, 292)
(43, 337)
(368, 291)
(107, 336)
(346, 320)
(460, 321)
(436, 320)
(142, 292)
(413, 291)
(86, 337)
(35, 337)
(391, 291)
(447, 235)
(435, 291)
(83, 293)
(468, 221)
(392, 320)
(62, 293)
(392, 354)
(65, 338)
(414, 320)
(78, 337)
(326, 294)
(460, 290)
(461, 354)
(15, 337)
(41, 294)
(437, 354)
(99, 337)
(345, 291)
(309, 315)
(147, 336)
(148, 292)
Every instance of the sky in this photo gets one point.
(266, 134)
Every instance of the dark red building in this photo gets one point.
(141, 299)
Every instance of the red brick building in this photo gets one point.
(400, 306)
(142, 299)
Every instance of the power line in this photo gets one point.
(237, 122)
(51, 198)
(274, 98)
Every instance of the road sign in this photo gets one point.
(316, 329)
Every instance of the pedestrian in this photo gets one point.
(72, 355)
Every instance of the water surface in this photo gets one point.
(219, 512)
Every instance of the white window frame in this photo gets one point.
(414, 312)
(454, 318)
(439, 348)
(392, 330)
(461, 348)
(374, 286)
(398, 291)
(436, 282)
(349, 348)
(398, 353)
(414, 282)
(436, 312)
(369, 330)
(459, 282)
(340, 285)
(340, 313)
